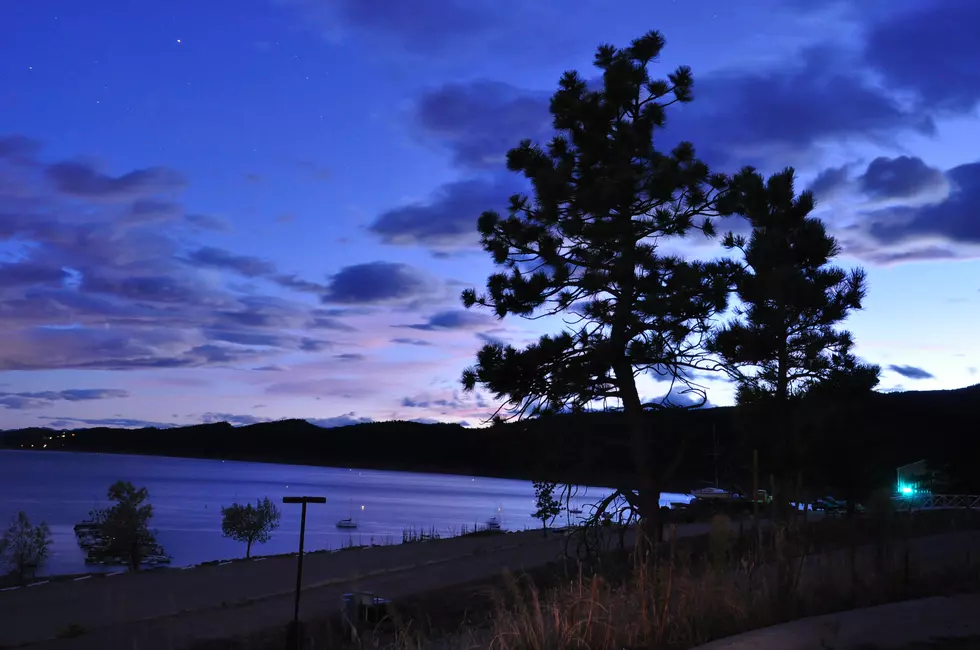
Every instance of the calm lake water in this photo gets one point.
(60, 488)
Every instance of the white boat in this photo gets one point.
(711, 493)
(348, 522)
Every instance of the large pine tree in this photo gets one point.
(588, 244)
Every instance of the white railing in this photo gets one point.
(939, 501)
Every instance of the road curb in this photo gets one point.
(316, 585)
(893, 625)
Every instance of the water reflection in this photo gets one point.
(187, 495)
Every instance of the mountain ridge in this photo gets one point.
(586, 448)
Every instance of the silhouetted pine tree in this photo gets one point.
(784, 341)
(588, 244)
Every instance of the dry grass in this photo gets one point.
(687, 592)
(680, 601)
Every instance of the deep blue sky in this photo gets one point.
(266, 208)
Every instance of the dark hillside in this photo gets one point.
(889, 430)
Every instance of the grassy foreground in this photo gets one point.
(687, 592)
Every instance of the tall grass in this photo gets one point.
(689, 591)
(412, 535)
(681, 599)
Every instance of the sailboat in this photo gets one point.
(349, 521)
(493, 523)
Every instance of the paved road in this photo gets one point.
(166, 610)
(162, 609)
(896, 625)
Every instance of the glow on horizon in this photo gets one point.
(273, 216)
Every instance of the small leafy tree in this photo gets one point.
(124, 527)
(547, 504)
(250, 524)
(784, 342)
(587, 245)
(24, 547)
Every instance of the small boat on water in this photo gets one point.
(348, 522)
(493, 523)
(712, 493)
(574, 511)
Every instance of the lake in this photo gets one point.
(60, 488)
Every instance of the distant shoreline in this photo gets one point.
(588, 449)
(120, 569)
(414, 469)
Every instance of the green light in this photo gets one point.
(905, 489)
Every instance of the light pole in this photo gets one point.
(294, 636)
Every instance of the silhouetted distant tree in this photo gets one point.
(24, 547)
(841, 442)
(547, 504)
(783, 341)
(250, 524)
(588, 245)
(124, 527)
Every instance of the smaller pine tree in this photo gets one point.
(784, 342)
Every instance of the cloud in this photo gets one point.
(450, 34)
(452, 403)
(900, 178)
(17, 401)
(739, 116)
(480, 121)
(27, 274)
(492, 339)
(211, 257)
(231, 418)
(420, 27)
(931, 51)
(308, 344)
(207, 222)
(766, 117)
(829, 182)
(322, 320)
(19, 148)
(888, 257)
(759, 116)
(911, 372)
(410, 402)
(81, 180)
(679, 396)
(107, 273)
(448, 218)
(952, 218)
(246, 338)
(408, 341)
(376, 283)
(347, 419)
(147, 210)
(47, 348)
(453, 319)
(66, 422)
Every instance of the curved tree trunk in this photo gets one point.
(648, 485)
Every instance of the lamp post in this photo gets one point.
(294, 638)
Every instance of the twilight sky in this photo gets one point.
(265, 209)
